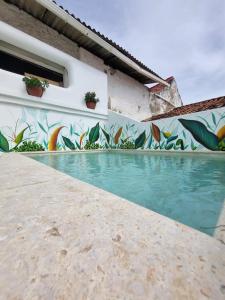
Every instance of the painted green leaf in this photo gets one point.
(156, 147)
(180, 143)
(106, 135)
(53, 125)
(193, 147)
(150, 142)
(19, 137)
(78, 145)
(4, 145)
(68, 143)
(184, 134)
(172, 138)
(94, 134)
(169, 146)
(214, 119)
(162, 145)
(140, 141)
(42, 128)
(201, 134)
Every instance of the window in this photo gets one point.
(27, 66)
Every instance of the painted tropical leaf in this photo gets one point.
(193, 147)
(82, 137)
(4, 144)
(78, 145)
(172, 138)
(162, 145)
(68, 143)
(167, 134)
(150, 142)
(19, 136)
(180, 143)
(184, 134)
(126, 139)
(156, 132)
(169, 146)
(106, 135)
(117, 136)
(140, 141)
(52, 145)
(214, 119)
(42, 128)
(201, 134)
(53, 125)
(221, 133)
(94, 134)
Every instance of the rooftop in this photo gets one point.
(159, 87)
(66, 23)
(191, 108)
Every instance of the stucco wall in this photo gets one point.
(125, 95)
(81, 77)
(201, 131)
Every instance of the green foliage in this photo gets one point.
(4, 145)
(127, 145)
(91, 97)
(35, 82)
(201, 134)
(94, 134)
(92, 146)
(68, 143)
(28, 146)
(140, 141)
(222, 145)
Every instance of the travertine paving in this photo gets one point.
(64, 239)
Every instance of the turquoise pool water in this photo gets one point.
(189, 188)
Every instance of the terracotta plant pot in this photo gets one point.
(91, 104)
(35, 91)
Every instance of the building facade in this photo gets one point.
(76, 59)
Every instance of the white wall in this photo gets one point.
(81, 77)
(128, 96)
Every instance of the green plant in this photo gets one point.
(91, 97)
(28, 146)
(222, 145)
(127, 145)
(33, 82)
(92, 146)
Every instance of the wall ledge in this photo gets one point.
(40, 103)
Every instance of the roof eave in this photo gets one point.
(146, 77)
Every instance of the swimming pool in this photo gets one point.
(189, 188)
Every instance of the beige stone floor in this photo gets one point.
(61, 238)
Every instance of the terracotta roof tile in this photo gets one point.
(191, 108)
(118, 47)
(159, 87)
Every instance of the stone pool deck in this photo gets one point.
(61, 238)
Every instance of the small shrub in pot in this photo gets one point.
(35, 86)
(91, 100)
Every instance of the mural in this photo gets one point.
(34, 131)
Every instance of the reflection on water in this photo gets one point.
(187, 188)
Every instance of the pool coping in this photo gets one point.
(153, 256)
(222, 153)
(219, 232)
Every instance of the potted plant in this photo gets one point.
(35, 86)
(91, 100)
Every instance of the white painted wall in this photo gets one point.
(128, 96)
(81, 77)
